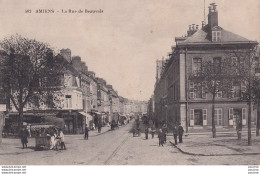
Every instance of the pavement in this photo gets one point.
(223, 145)
(12, 146)
(119, 147)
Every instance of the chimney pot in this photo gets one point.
(197, 27)
(193, 27)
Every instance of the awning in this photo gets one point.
(85, 114)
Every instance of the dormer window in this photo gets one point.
(216, 36)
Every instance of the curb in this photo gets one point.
(199, 154)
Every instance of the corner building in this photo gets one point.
(178, 99)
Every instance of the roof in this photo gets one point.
(202, 36)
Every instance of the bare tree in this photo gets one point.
(243, 67)
(30, 74)
(256, 99)
(213, 77)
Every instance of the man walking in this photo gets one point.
(180, 133)
(146, 133)
(153, 131)
(161, 137)
(86, 132)
(24, 137)
(164, 130)
(175, 133)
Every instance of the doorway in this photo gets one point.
(198, 119)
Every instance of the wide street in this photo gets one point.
(117, 147)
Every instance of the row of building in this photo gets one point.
(178, 98)
(83, 99)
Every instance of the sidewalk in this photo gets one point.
(222, 145)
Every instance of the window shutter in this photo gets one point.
(220, 117)
(230, 116)
(192, 90)
(191, 117)
(203, 90)
(243, 116)
(204, 117)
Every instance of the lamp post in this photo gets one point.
(166, 121)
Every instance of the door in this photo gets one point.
(237, 117)
(198, 119)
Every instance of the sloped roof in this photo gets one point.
(202, 36)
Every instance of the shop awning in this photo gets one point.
(85, 114)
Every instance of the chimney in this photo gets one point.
(197, 27)
(213, 16)
(202, 24)
(193, 27)
(92, 74)
(189, 31)
(76, 63)
(66, 53)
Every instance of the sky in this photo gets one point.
(122, 44)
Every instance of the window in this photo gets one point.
(197, 65)
(257, 65)
(216, 36)
(68, 101)
(218, 116)
(198, 90)
(219, 92)
(217, 64)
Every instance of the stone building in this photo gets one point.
(179, 99)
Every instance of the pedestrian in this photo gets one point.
(62, 140)
(99, 128)
(24, 137)
(164, 130)
(161, 137)
(180, 133)
(175, 134)
(86, 132)
(152, 131)
(52, 134)
(146, 133)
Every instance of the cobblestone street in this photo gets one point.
(119, 147)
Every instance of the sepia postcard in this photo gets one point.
(140, 82)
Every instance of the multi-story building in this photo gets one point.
(178, 98)
(85, 81)
(93, 91)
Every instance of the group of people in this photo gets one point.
(177, 132)
(56, 137)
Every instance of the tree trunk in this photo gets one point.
(213, 117)
(258, 120)
(249, 105)
(20, 121)
(1, 125)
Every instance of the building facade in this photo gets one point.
(179, 99)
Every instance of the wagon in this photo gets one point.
(42, 143)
